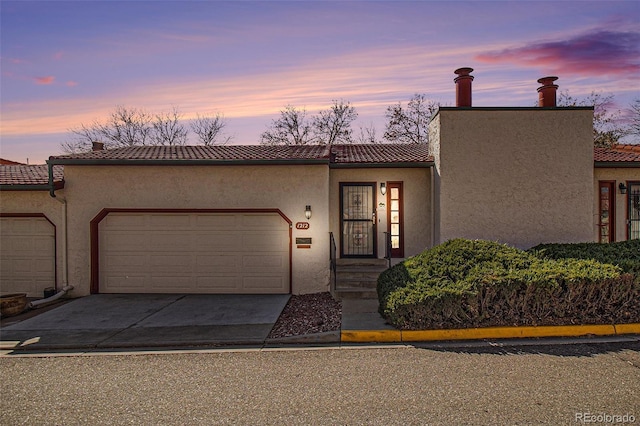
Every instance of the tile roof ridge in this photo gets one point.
(626, 147)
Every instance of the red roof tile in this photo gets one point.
(617, 153)
(380, 153)
(217, 152)
(28, 175)
(350, 154)
(8, 162)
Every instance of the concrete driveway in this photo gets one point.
(148, 320)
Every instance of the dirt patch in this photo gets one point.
(308, 314)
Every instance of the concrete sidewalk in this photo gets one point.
(153, 320)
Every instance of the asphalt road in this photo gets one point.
(527, 385)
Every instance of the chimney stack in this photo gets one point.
(547, 92)
(463, 87)
(97, 146)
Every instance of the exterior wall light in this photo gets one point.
(623, 188)
(307, 212)
(383, 188)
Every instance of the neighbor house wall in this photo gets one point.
(521, 176)
(288, 188)
(39, 202)
(618, 175)
(417, 205)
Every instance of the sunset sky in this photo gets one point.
(68, 63)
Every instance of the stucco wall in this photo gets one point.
(39, 202)
(518, 176)
(618, 175)
(417, 205)
(288, 188)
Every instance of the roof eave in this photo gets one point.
(20, 187)
(182, 162)
(394, 165)
(616, 164)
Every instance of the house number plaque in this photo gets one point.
(302, 225)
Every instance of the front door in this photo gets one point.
(358, 220)
(607, 216)
(633, 201)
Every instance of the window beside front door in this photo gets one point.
(358, 221)
(606, 210)
(633, 210)
(395, 225)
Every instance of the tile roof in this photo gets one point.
(4, 161)
(380, 153)
(215, 153)
(342, 154)
(618, 153)
(29, 175)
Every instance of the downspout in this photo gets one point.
(65, 270)
(52, 188)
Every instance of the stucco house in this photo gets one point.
(263, 219)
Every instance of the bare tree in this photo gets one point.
(367, 134)
(81, 138)
(633, 129)
(333, 125)
(124, 127)
(292, 128)
(127, 127)
(607, 128)
(209, 129)
(410, 124)
(168, 130)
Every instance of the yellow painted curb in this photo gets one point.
(507, 332)
(364, 336)
(397, 336)
(627, 328)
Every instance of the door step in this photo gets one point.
(358, 278)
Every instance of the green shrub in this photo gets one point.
(625, 254)
(464, 283)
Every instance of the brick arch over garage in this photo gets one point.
(254, 269)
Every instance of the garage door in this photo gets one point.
(193, 253)
(27, 255)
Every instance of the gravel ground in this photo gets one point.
(308, 314)
(348, 386)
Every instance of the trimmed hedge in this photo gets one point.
(625, 254)
(464, 283)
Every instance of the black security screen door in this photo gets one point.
(358, 221)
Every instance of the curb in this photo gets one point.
(398, 336)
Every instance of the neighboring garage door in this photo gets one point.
(27, 255)
(232, 252)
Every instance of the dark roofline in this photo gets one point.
(616, 164)
(180, 162)
(396, 165)
(32, 187)
(531, 108)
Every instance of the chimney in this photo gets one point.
(547, 92)
(463, 87)
(97, 146)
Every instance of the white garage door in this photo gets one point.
(194, 253)
(27, 255)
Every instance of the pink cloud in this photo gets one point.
(58, 55)
(71, 83)
(45, 80)
(595, 54)
(17, 61)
